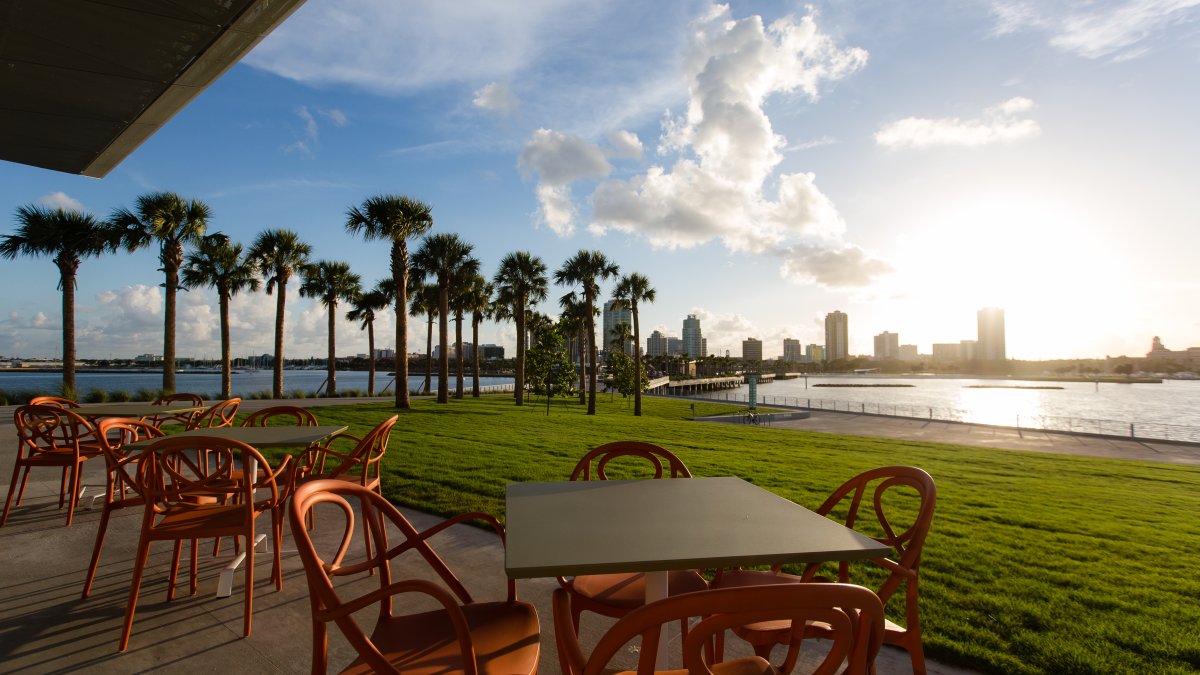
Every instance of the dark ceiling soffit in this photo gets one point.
(226, 49)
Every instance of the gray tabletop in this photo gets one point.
(261, 437)
(133, 409)
(600, 527)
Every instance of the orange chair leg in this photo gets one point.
(249, 583)
(91, 573)
(24, 480)
(139, 566)
(76, 477)
(195, 548)
(13, 486)
(174, 569)
(62, 490)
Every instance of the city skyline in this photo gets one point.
(1032, 157)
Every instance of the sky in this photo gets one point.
(762, 163)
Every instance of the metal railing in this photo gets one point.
(1078, 425)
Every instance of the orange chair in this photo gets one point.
(615, 595)
(59, 401)
(853, 613)
(867, 494)
(218, 415)
(185, 482)
(289, 414)
(52, 435)
(462, 636)
(115, 433)
(184, 418)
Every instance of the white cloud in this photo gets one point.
(338, 117)
(310, 132)
(999, 124)
(727, 151)
(624, 144)
(724, 331)
(496, 97)
(558, 159)
(1096, 29)
(61, 200)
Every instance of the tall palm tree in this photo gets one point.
(365, 305)
(445, 257)
(476, 299)
(330, 281)
(585, 269)
(520, 282)
(394, 218)
(173, 222)
(575, 325)
(632, 289)
(218, 262)
(459, 296)
(423, 301)
(278, 254)
(67, 237)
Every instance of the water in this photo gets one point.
(209, 384)
(1153, 409)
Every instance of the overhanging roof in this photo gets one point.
(84, 82)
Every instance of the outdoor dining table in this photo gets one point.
(654, 526)
(257, 437)
(134, 409)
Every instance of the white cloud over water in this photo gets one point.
(1001, 123)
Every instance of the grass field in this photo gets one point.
(1036, 563)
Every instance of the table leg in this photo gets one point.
(656, 589)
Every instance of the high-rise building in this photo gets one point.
(908, 353)
(616, 313)
(792, 352)
(674, 345)
(991, 335)
(703, 346)
(887, 345)
(752, 349)
(814, 353)
(968, 350)
(837, 336)
(656, 344)
(693, 340)
(947, 352)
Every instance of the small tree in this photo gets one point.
(548, 368)
(624, 374)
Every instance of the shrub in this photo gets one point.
(298, 393)
(96, 396)
(146, 395)
(120, 396)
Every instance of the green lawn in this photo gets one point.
(1036, 563)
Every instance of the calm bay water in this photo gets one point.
(208, 384)
(1173, 402)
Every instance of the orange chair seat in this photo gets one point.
(213, 519)
(628, 591)
(63, 456)
(505, 636)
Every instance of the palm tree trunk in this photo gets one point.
(428, 355)
(443, 395)
(331, 390)
(277, 367)
(519, 383)
(581, 345)
(67, 279)
(458, 355)
(475, 356)
(226, 374)
(591, 345)
(168, 380)
(370, 358)
(400, 279)
(637, 359)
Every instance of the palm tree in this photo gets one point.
(424, 301)
(520, 281)
(365, 306)
(446, 257)
(476, 299)
(395, 218)
(574, 324)
(173, 222)
(218, 262)
(67, 237)
(330, 281)
(632, 289)
(278, 254)
(459, 298)
(584, 269)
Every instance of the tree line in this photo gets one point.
(440, 280)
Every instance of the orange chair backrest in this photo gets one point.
(219, 415)
(174, 469)
(327, 604)
(50, 428)
(115, 433)
(289, 414)
(854, 613)
(866, 494)
(185, 418)
(660, 458)
(368, 453)
(59, 401)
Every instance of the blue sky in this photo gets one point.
(763, 163)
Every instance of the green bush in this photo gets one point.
(120, 396)
(96, 396)
(146, 395)
(298, 393)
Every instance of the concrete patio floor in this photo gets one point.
(46, 627)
